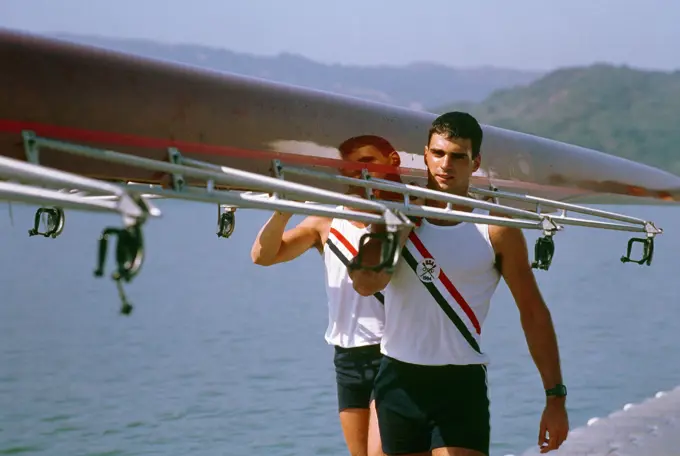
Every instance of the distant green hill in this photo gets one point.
(622, 111)
(413, 86)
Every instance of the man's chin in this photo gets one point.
(450, 189)
(442, 187)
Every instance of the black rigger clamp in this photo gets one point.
(129, 258)
(226, 220)
(389, 244)
(54, 222)
(544, 249)
(647, 246)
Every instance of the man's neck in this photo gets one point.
(359, 194)
(443, 205)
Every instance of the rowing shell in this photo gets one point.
(141, 106)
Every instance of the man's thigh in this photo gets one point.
(355, 427)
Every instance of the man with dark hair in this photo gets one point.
(355, 323)
(431, 389)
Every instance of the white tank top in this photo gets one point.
(439, 295)
(353, 320)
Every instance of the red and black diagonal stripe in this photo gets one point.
(438, 296)
(338, 253)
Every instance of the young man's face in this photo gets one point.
(370, 154)
(449, 164)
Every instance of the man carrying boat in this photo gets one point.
(431, 389)
(355, 325)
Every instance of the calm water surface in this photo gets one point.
(221, 357)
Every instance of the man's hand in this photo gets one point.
(554, 425)
(367, 282)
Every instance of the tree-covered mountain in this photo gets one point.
(615, 109)
(416, 85)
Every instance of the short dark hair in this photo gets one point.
(458, 124)
(350, 145)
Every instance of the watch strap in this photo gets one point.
(558, 390)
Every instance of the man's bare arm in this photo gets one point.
(272, 245)
(511, 247)
(535, 317)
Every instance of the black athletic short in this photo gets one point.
(355, 372)
(421, 408)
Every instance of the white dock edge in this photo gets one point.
(650, 428)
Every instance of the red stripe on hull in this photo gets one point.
(156, 148)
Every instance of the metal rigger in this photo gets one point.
(56, 190)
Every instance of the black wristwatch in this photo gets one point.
(557, 391)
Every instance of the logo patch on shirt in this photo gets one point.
(427, 270)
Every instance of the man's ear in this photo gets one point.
(476, 163)
(395, 159)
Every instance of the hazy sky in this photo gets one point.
(527, 34)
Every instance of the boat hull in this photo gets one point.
(142, 106)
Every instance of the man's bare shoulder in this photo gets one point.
(506, 238)
(319, 224)
(314, 221)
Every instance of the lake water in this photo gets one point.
(222, 357)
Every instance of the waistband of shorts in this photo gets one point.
(374, 348)
(437, 367)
